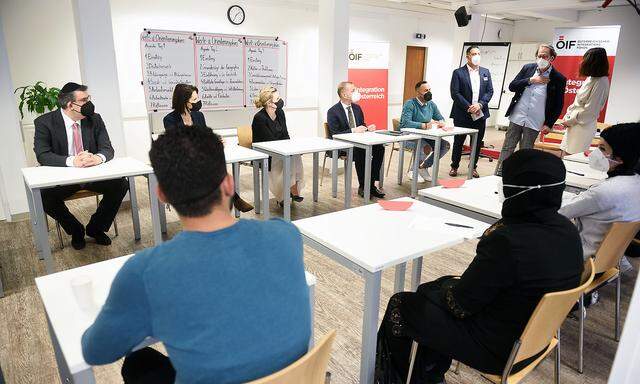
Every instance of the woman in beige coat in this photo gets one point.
(581, 116)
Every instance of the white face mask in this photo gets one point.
(475, 60)
(543, 63)
(600, 162)
(355, 96)
(526, 188)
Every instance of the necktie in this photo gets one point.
(77, 139)
(352, 120)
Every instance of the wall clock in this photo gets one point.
(235, 14)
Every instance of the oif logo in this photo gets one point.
(355, 56)
(565, 44)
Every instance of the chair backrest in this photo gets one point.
(326, 131)
(614, 244)
(396, 124)
(309, 369)
(245, 136)
(548, 316)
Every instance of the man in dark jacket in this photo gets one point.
(75, 136)
(536, 105)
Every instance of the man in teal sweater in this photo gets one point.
(422, 113)
(228, 298)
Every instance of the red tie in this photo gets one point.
(77, 139)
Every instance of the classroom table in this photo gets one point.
(581, 176)
(366, 141)
(369, 239)
(67, 321)
(477, 198)
(437, 134)
(579, 157)
(38, 178)
(286, 149)
(234, 155)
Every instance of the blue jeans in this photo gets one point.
(444, 148)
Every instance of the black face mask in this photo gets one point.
(427, 96)
(196, 106)
(87, 109)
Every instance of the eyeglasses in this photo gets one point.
(85, 99)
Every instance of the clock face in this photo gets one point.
(235, 14)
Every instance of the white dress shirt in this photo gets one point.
(346, 112)
(68, 126)
(474, 75)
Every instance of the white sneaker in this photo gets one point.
(424, 173)
(420, 178)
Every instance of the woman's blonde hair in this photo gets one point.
(264, 96)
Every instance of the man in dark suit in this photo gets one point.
(346, 117)
(471, 91)
(536, 105)
(75, 136)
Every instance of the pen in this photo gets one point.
(576, 173)
(458, 225)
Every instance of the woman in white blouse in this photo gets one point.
(581, 116)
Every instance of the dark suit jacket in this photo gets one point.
(174, 120)
(555, 92)
(265, 129)
(462, 94)
(337, 119)
(50, 141)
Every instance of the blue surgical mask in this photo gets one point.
(526, 188)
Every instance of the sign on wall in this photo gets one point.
(369, 71)
(571, 44)
(229, 70)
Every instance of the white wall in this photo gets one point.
(626, 74)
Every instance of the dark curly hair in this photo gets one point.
(190, 165)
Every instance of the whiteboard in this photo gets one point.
(495, 57)
(228, 70)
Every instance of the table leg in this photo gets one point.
(416, 272)
(135, 216)
(235, 171)
(436, 162)
(154, 205)
(82, 377)
(256, 186)
(265, 189)
(369, 326)
(414, 182)
(42, 235)
(398, 284)
(347, 178)
(474, 143)
(381, 181)
(334, 173)
(400, 161)
(367, 174)
(286, 187)
(163, 217)
(315, 177)
(33, 217)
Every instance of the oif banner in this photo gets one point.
(369, 71)
(571, 44)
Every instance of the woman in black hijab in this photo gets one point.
(475, 319)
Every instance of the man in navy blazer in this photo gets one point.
(346, 117)
(471, 91)
(536, 105)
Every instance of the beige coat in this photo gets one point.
(581, 116)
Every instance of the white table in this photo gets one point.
(234, 155)
(285, 149)
(437, 134)
(577, 157)
(368, 240)
(366, 141)
(477, 198)
(67, 322)
(581, 176)
(38, 178)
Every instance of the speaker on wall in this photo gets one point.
(462, 17)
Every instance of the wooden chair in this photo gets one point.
(309, 369)
(542, 332)
(81, 194)
(607, 263)
(396, 127)
(245, 136)
(327, 153)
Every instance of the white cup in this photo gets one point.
(82, 287)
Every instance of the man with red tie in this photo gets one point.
(75, 136)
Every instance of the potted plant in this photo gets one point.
(38, 98)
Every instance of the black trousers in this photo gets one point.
(113, 191)
(148, 366)
(458, 140)
(377, 153)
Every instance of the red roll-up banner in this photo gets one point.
(571, 44)
(369, 71)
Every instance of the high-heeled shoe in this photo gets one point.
(241, 205)
(296, 198)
